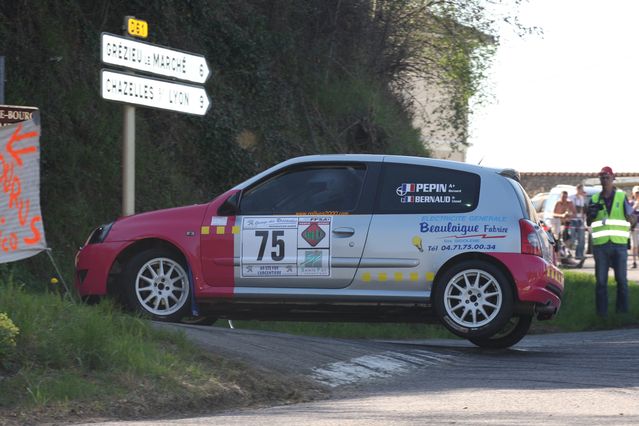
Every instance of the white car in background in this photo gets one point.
(549, 206)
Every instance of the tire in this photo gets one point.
(473, 299)
(156, 284)
(198, 320)
(510, 334)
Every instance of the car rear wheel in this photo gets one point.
(156, 284)
(510, 334)
(473, 299)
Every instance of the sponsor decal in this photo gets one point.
(313, 234)
(448, 228)
(440, 193)
(405, 188)
(453, 225)
(219, 220)
(313, 262)
(313, 259)
(417, 242)
(285, 246)
(462, 233)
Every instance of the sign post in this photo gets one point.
(132, 89)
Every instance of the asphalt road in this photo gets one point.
(563, 379)
(572, 378)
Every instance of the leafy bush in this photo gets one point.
(8, 333)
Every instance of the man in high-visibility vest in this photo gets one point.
(610, 215)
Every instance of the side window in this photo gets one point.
(334, 188)
(410, 188)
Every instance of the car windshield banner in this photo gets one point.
(21, 230)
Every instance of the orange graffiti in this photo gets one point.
(12, 240)
(36, 232)
(17, 200)
(17, 137)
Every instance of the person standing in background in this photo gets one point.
(611, 216)
(634, 231)
(563, 213)
(578, 222)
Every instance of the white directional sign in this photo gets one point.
(151, 58)
(151, 92)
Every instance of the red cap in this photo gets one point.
(606, 171)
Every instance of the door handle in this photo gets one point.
(343, 232)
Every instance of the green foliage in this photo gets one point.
(76, 360)
(578, 312)
(8, 333)
(63, 342)
(288, 79)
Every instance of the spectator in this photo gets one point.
(563, 213)
(634, 232)
(578, 223)
(611, 216)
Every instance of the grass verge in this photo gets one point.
(78, 362)
(73, 361)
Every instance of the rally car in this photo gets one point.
(340, 238)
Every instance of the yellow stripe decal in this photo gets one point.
(399, 276)
(235, 229)
(430, 276)
(204, 230)
(219, 230)
(366, 277)
(382, 276)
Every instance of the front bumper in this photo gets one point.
(93, 264)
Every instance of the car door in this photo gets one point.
(305, 226)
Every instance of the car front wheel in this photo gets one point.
(473, 299)
(156, 284)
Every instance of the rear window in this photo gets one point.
(526, 205)
(407, 188)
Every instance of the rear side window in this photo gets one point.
(407, 188)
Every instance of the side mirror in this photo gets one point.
(230, 207)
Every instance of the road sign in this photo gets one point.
(152, 58)
(13, 114)
(154, 93)
(137, 27)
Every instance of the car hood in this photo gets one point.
(176, 220)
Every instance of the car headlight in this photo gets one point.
(99, 234)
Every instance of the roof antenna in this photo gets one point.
(482, 159)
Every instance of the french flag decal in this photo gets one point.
(408, 187)
(408, 199)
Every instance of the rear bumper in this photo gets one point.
(92, 266)
(537, 282)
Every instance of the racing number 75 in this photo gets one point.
(275, 243)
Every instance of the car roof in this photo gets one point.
(379, 158)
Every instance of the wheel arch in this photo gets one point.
(476, 256)
(113, 285)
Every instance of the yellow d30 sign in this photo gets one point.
(137, 27)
